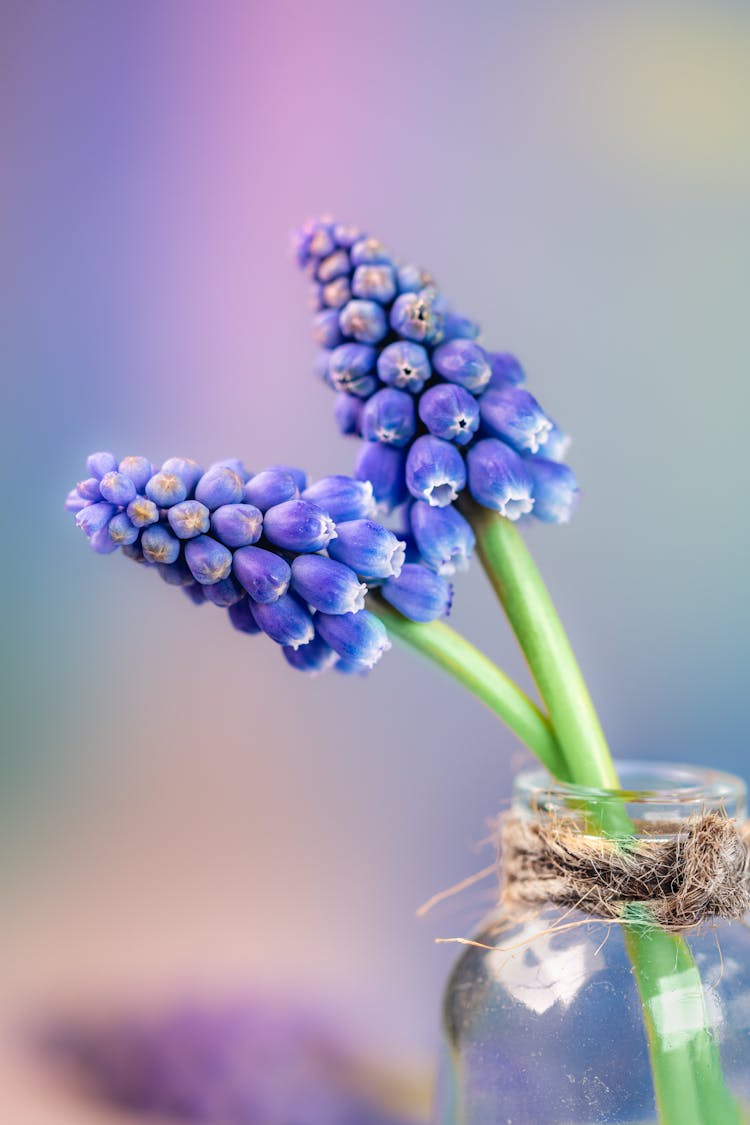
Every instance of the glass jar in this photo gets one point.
(546, 1026)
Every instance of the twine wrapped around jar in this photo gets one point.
(683, 872)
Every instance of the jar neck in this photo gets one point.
(651, 792)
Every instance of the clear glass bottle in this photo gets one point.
(546, 1028)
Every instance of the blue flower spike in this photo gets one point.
(475, 426)
(300, 571)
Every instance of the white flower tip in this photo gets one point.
(397, 558)
(515, 506)
(358, 599)
(369, 501)
(440, 494)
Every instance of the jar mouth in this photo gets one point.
(652, 789)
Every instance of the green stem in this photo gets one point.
(465, 663)
(533, 617)
(689, 1085)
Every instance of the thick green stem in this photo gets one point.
(688, 1082)
(460, 659)
(533, 617)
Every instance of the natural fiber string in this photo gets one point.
(683, 872)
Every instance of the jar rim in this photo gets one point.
(644, 782)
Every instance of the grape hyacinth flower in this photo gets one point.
(289, 558)
(254, 1060)
(439, 415)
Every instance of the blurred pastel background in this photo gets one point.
(180, 814)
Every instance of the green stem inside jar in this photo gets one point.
(688, 1081)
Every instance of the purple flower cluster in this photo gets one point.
(246, 1063)
(437, 412)
(284, 557)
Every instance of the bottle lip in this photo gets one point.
(686, 789)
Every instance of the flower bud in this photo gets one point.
(371, 550)
(285, 621)
(269, 488)
(463, 362)
(516, 417)
(159, 545)
(188, 519)
(416, 317)
(418, 593)
(189, 471)
(299, 475)
(457, 327)
(555, 490)
(166, 488)
(385, 468)
(263, 574)
(499, 478)
(117, 488)
(350, 368)
(350, 667)
(557, 445)
(435, 471)
(121, 531)
(336, 293)
(175, 574)
(241, 616)
(94, 517)
(142, 512)
(412, 278)
(369, 252)
(100, 463)
(404, 365)
(365, 321)
(374, 283)
(314, 657)
(208, 560)
(506, 371)
(450, 412)
(346, 235)
(342, 498)
(347, 411)
(138, 469)
(389, 417)
(219, 485)
(327, 585)
(354, 636)
(89, 490)
(237, 525)
(236, 465)
(102, 542)
(445, 540)
(224, 593)
(326, 331)
(74, 502)
(335, 265)
(133, 551)
(298, 525)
